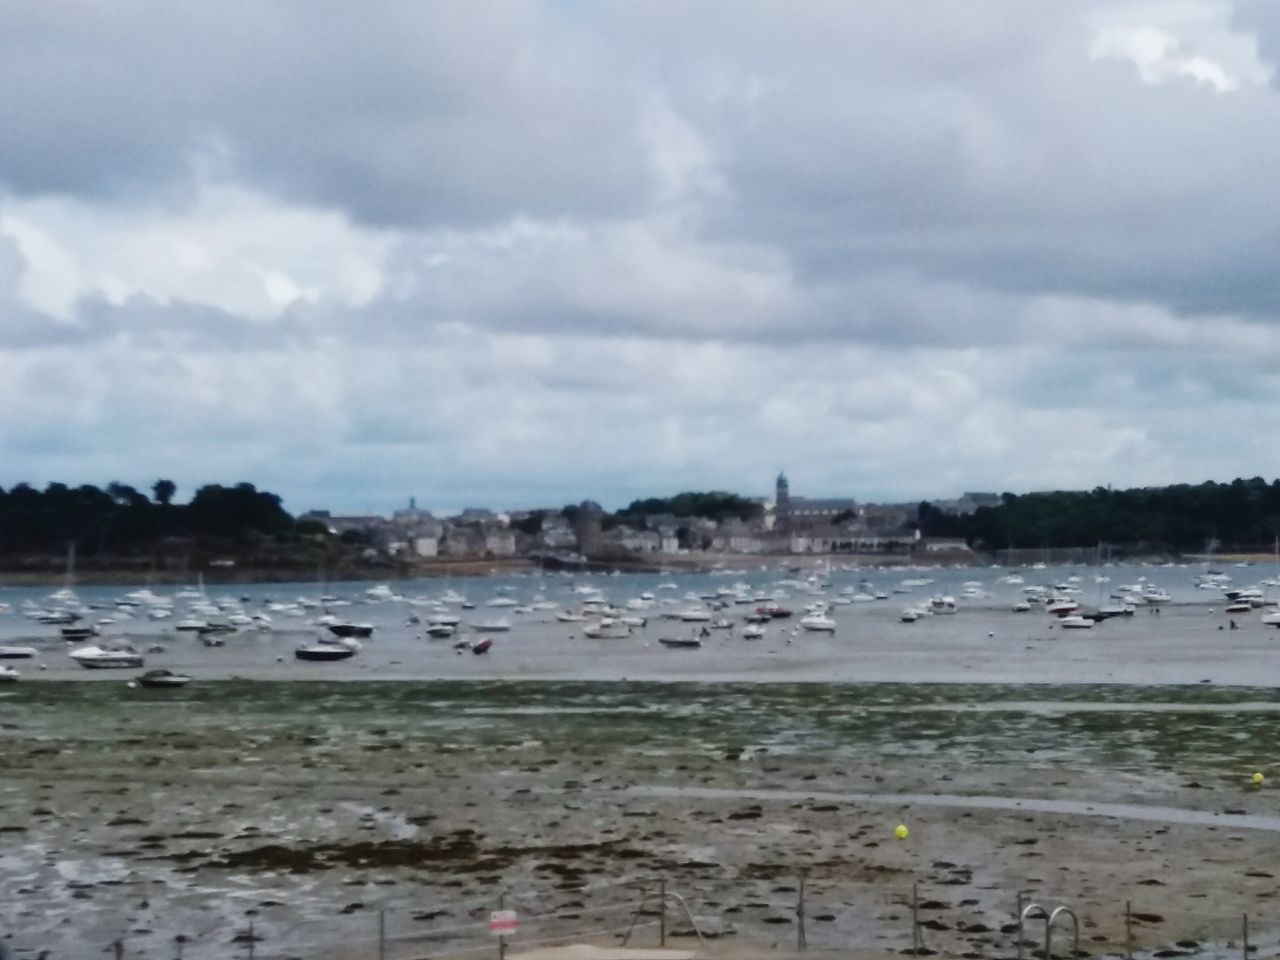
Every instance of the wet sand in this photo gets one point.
(303, 808)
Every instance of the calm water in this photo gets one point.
(984, 642)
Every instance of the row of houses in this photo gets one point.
(782, 525)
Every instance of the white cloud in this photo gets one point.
(616, 251)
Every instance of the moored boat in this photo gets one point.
(9, 675)
(818, 623)
(101, 658)
(324, 652)
(351, 629)
(17, 653)
(162, 679)
(680, 643)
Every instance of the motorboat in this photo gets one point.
(1021, 606)
(568, 616)
(909, 615)
(818, 623)
(103, 658)
(1156, 595)
(324, 652)
(1271, 618)
(351, 629)
(492, 626)
(1076, 622)
(681, 643)
(1237, 606)
(17, 653)
(9, 675)
(1061, 607)
(78, 634)
(443, 620)
(483, 646)
(753, 631)
(441, 631)
(191, 624)
(695, 615)
(942, 604)
(606, 629)
(158, 679)
(502, 602)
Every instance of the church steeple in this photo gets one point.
(782, 500)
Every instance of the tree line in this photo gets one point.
(1184, 518)
(119, 519)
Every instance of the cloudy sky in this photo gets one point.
(518, 254)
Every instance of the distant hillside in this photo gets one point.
(1183, 518)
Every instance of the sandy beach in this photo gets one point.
(304, 808)
(418, 788)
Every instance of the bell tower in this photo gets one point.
(782, 502)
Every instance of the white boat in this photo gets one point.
(1076, 622)
(100, 658)
(492, 626)
(17, 653)
(753, 631)
(501, 602)
(1156, 595)
(942, 604)
(1021, 606)
(818, 623)
(606, 629)
(191, 624)
(441, 631)
(909, 615)
(1061, 607)
(695, 615)
(567, 616)
(9, 675)
(1271, 618)
(380, 592)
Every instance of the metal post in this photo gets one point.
(382, 933)
(502, 937)
(1244, 949)
(117, 946)
(662, 912)
(917, 937)
(1128, 930)
(252, 940)
(801, 942)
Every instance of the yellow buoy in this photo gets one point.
(1258, 778)
(901, 831)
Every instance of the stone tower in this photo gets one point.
(782, 503)
(590, 529)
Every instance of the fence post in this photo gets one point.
(1128, 930)
(662, 912)
(917, 938)
(382, 933)
(801, 942)
(502, 937)
(253, 940)
(1244, 947)
(117, 948)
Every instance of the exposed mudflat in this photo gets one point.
(303, 808)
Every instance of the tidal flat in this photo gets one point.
(306, 808)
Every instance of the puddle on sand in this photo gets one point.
(1118, 811)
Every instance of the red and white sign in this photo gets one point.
(503, 923)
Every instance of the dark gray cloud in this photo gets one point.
(907, 249)
(409, 114)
